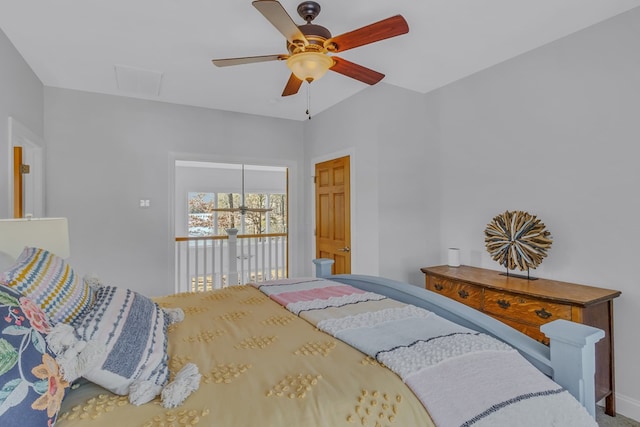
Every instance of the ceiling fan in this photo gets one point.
(243, 208)
(309, 45)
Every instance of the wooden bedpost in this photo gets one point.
(572, 347)
(323, 266)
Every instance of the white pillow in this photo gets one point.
(121, 345)
(134, 331)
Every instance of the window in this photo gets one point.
(210, 214)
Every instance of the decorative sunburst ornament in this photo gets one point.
(517, 239)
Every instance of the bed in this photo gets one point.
(276, 354)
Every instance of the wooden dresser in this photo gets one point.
(527, 304)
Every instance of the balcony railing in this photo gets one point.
(214, 262)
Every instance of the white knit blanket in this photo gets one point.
(462, 377)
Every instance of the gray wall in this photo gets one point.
(556, 132)
(106, 153)
(21, 95)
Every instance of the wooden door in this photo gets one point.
(18, 195)
(333, 213)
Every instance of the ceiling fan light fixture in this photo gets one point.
(309, 66)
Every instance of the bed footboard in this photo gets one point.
(569, 360)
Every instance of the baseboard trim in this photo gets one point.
(626, 406)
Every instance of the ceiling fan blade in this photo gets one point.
(355, 71)
(387, 28)
(279, 18)
(241, 209)
(261, 210)
(225, 210)
(293, 86)
(247, 60)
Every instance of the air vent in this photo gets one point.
(138, 81)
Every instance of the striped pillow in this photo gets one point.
(49, 281)
(134, 330)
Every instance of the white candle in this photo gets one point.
(454, 257)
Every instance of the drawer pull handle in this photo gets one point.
(438, 287)
(544, 314)
(463, 293)
(503, 303)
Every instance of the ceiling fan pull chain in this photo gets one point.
(308, 112)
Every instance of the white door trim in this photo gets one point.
(33, 152)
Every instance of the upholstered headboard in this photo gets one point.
(51, 234)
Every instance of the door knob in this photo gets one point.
(345, 249)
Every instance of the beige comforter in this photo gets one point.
(260, 366)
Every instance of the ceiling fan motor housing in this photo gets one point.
(315, 35)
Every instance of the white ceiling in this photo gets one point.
(76, 44)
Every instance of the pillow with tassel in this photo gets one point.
(121, 345)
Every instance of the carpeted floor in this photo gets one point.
(605, 420)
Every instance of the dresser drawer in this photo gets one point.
(524, 309)
(532, 331)
(467, 294)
